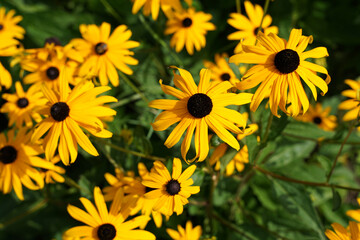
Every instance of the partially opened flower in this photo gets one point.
(199, 107)
(280, 66)
(320, 117)
(171, 191)
(102, 224)
(18, 159)
(21, 106)
(53, 175)
(189, 233)
(248, 27)
(153, 6)
(352, 104)
(340, 233)
(9, 27)
(105, 52)
(66, 112)
(116, 182)
(189, 28)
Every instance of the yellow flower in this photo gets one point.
(342, 234)
(199, 107)
(102, 224)
(354, 214)
(189, 28)
(352, 104)
(279, 66)
(68, 110)
(104, 53)
(153, 6)
(189, 233)
(320, 117)
(116, 182)
(249, 27)
(221, 71)
(53, 175)
(8, 25)
(171, 192)
(18, 157)
(21, 106)
(249, 129)
(5, 77)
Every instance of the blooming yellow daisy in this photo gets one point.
(189, 28)
(352, 104)
(171, 192)
(279, 66)
(199, 107)
(116, 182)
(102, 224)
(5, 78)
(9, 27)
(249, 27)
(66, 112)
(53, 175)
(153, 6)
(18, 157)
(221, 71)
(320, 117)
(343, 234)
(104, 53)
(21, 106)
(189, 233)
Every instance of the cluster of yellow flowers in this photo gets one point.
(63, 101)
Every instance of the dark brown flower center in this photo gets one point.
(173, 187)
(52, 73)
(187, 22)
(54, 40)
(199, 105)
(287, 61)
(8, 154)
(225, 77)
(106, 232)
(317, 120)
(59, 111)
(256, 31)
(22, 102)
(101, 48)
(1, 27)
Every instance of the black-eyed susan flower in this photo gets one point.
(221, 71)
(199, 107)
(116, 182)
(66, 112)
(187, 233)
(189, 28)
(320, 117)
(153, 6)
(105, 52)
(352, 104)
(249, 27)
(55, 174)
(341, 233)
(5, 78)
(9, 27)
(280, 66)
(18, 159)
(21, 106)
(102, 224)
(171, 191)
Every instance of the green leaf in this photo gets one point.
(253, 147)
(336, 203)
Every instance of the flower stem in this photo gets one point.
(160, 41)
(266, 7)
(338, 154)
(111, 10)
(238, 6)
(136, 89)
(267, 130)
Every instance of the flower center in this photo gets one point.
(59, 111)
(101, 48)
(106, 232)
(256, 31)
(187, 22)
(54, 40)
(22, 102)
(52, 73)
(199, 105)
(1, 27)
(225, 77)
(317, 120)
(287, 61)
(8, 154)
(173, 187)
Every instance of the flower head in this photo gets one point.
(5, 78)
(9, 27)
(116, 182)
(189, 233)
(153, 6)
(352, 104)
(343, 234)
(105, 52)
(320, 117)
(171, 191)
(199, 107)
(189, 28)
(279, 66)
(53, 175)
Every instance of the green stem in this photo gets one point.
(266, 7)
(115, 147)
(338, 154)
(125, 101)
(111, 10)
(137, 90)
(238, 6)
(160, 41)
(267, 131)
(315, 184)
